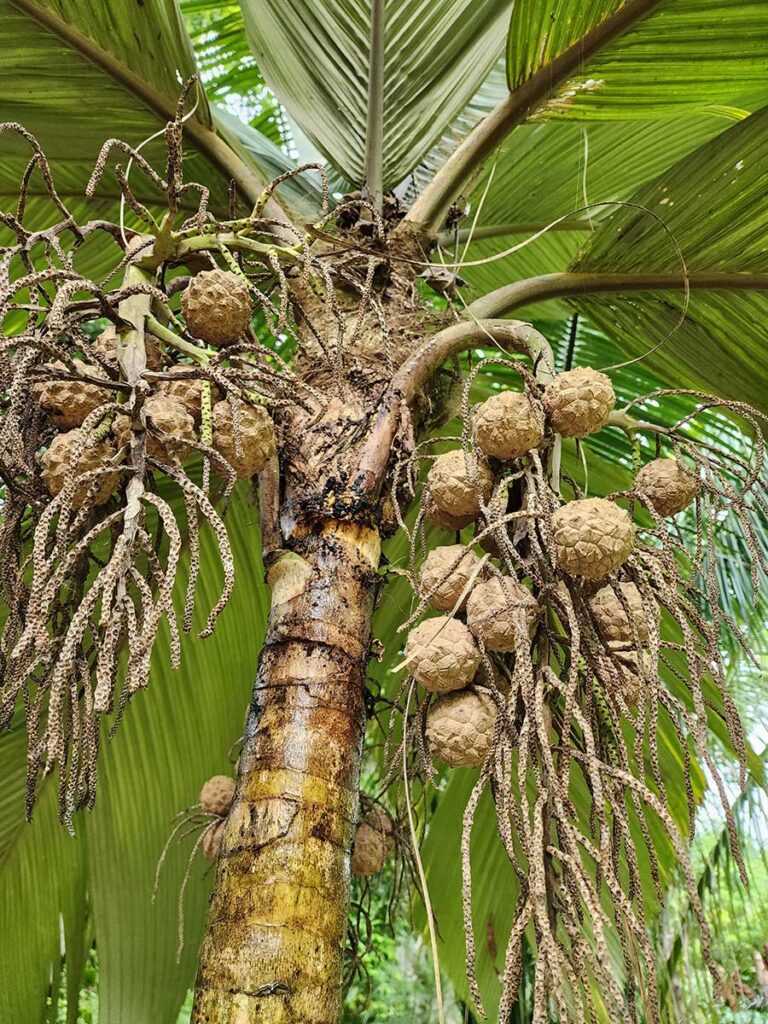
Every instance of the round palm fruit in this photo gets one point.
(460, 728)
(613, 623)
(373, 841)
(256, 435)
(495, 607)
(667, 486)
(454, 489)
(579, 402)
(169, 416)
(507, 426)
(56, 466)
(187, 390)
(446, 522)
(217, 795)
(442, 654)
(217, 306)
(443, 579)
(593, 537)
(68, 402)
(106, 346)
(631, 667)
(212, 839)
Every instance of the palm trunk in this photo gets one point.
(273, 952)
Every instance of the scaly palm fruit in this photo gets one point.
(507, 426)
(445, 584)
(169, 416)
(187, 390)
(446, 522)
(593, 537)
(613, 623)
(630, 664)
(442, 655)
(56, 462)
(494, 608)
(460, 728)
(256, 435)
(212, 839)
(68, 402)
(579, 402)
(217, 795)
(667, 485)
(373, 841)
(217, 306)
(456, 490)
(106, 346)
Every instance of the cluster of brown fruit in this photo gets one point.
(484, 609)
(217, 309)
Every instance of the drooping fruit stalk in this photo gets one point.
(278, 920)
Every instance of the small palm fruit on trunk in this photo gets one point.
(186, 389)
(167, 415)
(212, 840)
(579, 402)
(445, 574)
(507, 426)
(441, 654)
(255, 433)
(500, 612)
(610, 613)
(667, 486)
(593, 537)
(217, 795)
(460, 728)
(446, 522)
(457, 481)
(96, 455)
(106, 347)
(217, 306)
(373, 841)
(68, 402)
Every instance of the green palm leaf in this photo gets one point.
(173, 737)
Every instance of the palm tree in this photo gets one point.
(391, 181)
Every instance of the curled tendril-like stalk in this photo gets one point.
(567, 729)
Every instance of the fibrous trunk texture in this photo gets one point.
(274, 948)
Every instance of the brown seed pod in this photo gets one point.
(106, 346)
(442, 655)
(256, 435)
(454, 489)
(217, 795)
(68, 402)
(460, 728)
(593, 537)
(217, 306)
(495, 606)
(373, 841)
(56, 461)
(579, 402)
(212, 839)
(187, 390)
(448, 583)
(611, 618)
(667, 485)
(507, 426)
(629, 666)
(167, 415)
(446, 522)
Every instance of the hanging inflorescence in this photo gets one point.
(573, 635)
(130, 407)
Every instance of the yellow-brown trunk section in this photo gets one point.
(274, 947)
